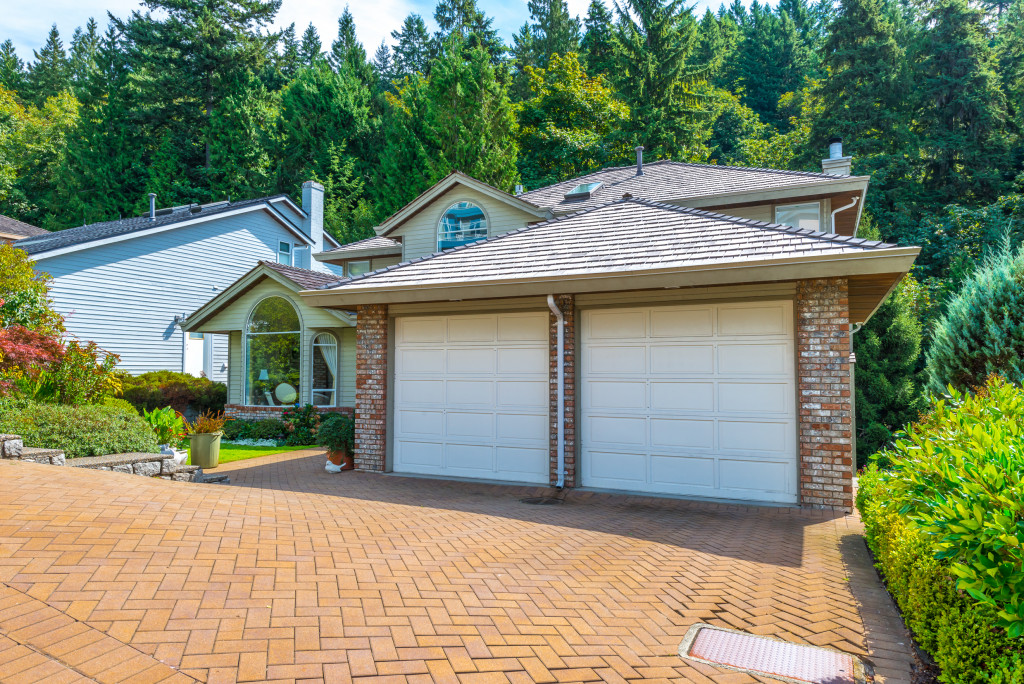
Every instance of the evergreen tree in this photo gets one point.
(311, 50)
(12, 68)
(962, 113)
(84, 45)
(1011, 59)
(457, 118)
(347, 51)
(476, 29)
(240, 145)
(50, 73)
(654, 42)
(289, 61)
(412, 47)
(384, 66)
(597, 44)
(552, 29)
(716, 42)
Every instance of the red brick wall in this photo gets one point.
(371, 386)
(825, 397)
(261, 412)
(567, 305)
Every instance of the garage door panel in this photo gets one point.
(683, 471)
(529, 464)
(686, 322)
(754, 397)
(419, 361)
(472, 328)
(460, 425)
(469, 393)
(419, 391)
(754, 436)
(471, 361)
(519, 393)
(471, 459)
(755, 359)
(620, 430)
(682, 396)
(419, 423)
(767, 476)
(616, 360)
(613, 394)
(522, 427)
(420, 330)
(617, 324)
(525, 360)
(419, 455)
(753, 320)
(683, 434)
(682, 358)
(616, 467)
(523, 328)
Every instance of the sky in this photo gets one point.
(27, 23)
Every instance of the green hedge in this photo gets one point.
(184, 393)
(268, 428)
(88, 430)
(946, 524)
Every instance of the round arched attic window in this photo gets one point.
(461, 223)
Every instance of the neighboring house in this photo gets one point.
(12, 229)
(668, 329)
(127, 284)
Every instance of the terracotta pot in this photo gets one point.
(341, 458)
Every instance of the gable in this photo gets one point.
(234, 315)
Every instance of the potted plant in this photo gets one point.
(204, 434)
(169, 427)
(337, 434)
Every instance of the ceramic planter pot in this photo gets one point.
(205, 449)
(341, 459)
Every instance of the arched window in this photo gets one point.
(273, 349)
(463, 222)
(324, 376)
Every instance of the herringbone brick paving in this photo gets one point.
(294, 574)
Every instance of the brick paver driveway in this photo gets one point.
(292, 573)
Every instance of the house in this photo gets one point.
(12, 229)
(665, 329)
(127, 284)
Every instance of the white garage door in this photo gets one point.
(471, 396)
(691, 400)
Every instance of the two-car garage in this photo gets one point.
(693, 400)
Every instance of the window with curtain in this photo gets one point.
(273, 349)
(324, 376)
(463, 222)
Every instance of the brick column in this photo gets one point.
(825, 399)
(567, 305)
(371, 386)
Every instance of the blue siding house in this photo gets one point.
(128, 284)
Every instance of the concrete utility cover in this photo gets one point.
(770, 657)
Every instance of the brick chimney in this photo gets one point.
(836, 164)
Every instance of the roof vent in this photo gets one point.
(152, 206)
(835, 147)
(639, 160)
(519, 189)
(583, 191)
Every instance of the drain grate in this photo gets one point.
(541, 500)
(770, 657)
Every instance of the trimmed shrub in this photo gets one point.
(268, 428)
(185, 393)
(120, 404)
(88, 430)
(982, 331)
(301, 425)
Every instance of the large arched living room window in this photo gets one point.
(462, 222)
(273, 351)
(324, 377)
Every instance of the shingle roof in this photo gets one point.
(309, 280)
(624, 236)
(668, 180)
(375, 243)
(9, 226)
(106, 229)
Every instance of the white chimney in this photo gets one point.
(836, 164)
(639, 160)
(152, 206)
(313, 224)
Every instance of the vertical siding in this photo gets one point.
(419, 234)
(347, 389)
(125, 295)
(235, 368)
(220, 358)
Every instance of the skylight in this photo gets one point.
(583, 191)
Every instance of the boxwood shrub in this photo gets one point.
(184, 393)
(88, 430)
(946, 524)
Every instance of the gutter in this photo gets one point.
(832, 221)
(560, 401)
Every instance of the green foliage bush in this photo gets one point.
(120, 404)
(301, 425)
(268, 428)
(337, 433)
(982, 330)
(87, 430)
(184, 393)
(946, 524)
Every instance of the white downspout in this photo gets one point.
(832, 223)
(560, 402)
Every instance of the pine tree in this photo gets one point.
(50, 73)
(962, 112)
(384, 66)
(289, 61)
(82, 63)
(464, 18)
(654, 42)
(412, 47)
(311, 50)
(597, 44)
(1010, 47)
(12, 68)
(347, 51)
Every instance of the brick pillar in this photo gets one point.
(825, 400)
(567, 305)
(371, 386)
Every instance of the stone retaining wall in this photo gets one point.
(148, 465)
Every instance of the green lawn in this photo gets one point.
(238, 452)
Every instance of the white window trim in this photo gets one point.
(348, 264)
(437, 224)
(245, 345)
(289, 251)
(312, 359)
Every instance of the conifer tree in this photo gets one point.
(412, 47)
(240, 142)
(347, 51)
(552, 30)
(82, 62)
(50, 73)
(1010, 47)
(12, 68)
(597, 43)
(311, 50)
(654, 42)
(289, 61)
(384, 66)
(464, 18)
